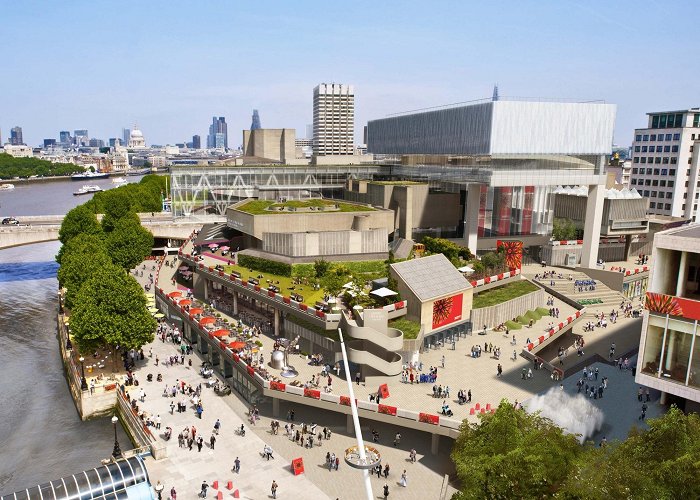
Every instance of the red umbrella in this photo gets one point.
(196, 310)
(221, 333)
(207, 320)
(185, 302)
(237, 345)
(176, 293)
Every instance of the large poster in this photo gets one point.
(447, 310)
(514, 253)
(673, 306)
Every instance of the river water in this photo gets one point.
(41, 434)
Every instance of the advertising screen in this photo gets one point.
(447, 310)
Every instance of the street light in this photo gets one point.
(83, 382)
(69, 344)
(116, 452)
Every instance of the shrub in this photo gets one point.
(265, 265)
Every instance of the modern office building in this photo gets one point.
(669, 350)
(81, 137)
(64, 138)
(196, 142)
(255, 125)
(334, 119)
(664, 164)
(126, 133)
(96, 143)
(218, 134)
(49, 143)
(16, 138)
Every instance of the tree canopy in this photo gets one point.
(84, 255)
(79, 220)
(146, 196)
(111, 310)
(11, 167)
(563, 229)
(129, 242)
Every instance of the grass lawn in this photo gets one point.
(409, 328)
(396, 183)
(501, 294)
(266, 207)
(310, 295)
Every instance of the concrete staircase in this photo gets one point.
(611, 299)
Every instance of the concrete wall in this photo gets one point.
(271, 143)
(556, 255)
(495, 315)
(326, 243)
(426, 309)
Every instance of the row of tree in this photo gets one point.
(146, 196)
(11, 167)
(107, 304)
(514, 454)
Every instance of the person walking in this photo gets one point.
(212, 440)
(397, 439)
(159, 490)
(404, 479)
(273, 489)
(499, 370)
(200, 443)
(217, 426)
(386, 491)
(386, 471)
(203, 492)
(237, 465)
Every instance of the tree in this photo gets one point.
(321, 267)
(84, 255)
(79, 220)
(129, 243)
(332, 282)
(448, 248)
(110, 309)
(512, 451)
(117, 204)
(563, 229)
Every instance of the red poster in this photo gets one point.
(673, 306)
(514, 253)
(298, 466)
(447, 310)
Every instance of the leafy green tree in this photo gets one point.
(85, 254)
(321, 267)
(512, 454)
(11, 167)
(110, 309)
(446, 247)
(563, 229)
(332, 282)
(79, 220)
(129, 243)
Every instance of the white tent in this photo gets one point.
(465, 269)
(383, 292)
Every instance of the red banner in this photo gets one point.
(312, 393)
(298, 466)
(447, 310)
(345, 400)
(387, 410)
(250, 370)
(277, 386)
(673, 306)
(383, 391)
(427, 418)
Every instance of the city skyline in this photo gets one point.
(392, 65)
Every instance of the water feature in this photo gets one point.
(574, 413)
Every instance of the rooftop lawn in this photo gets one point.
(267, 207)
(397, 183)
(501, 294)
(310, 295)
(409, 328)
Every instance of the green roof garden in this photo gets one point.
(267, 207)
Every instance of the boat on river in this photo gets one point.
(89, 175)
(87, 189)
(6, 187)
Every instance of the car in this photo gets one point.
(10, 221)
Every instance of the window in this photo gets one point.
(644, 149)
(655, 182)
(636, 160)
(664, 171)
(657, 159)
(653, 194)
(637, 149)
(638, 137)
(671, 183)
(646, 193)
(659, 149)
(676, 137)
(634, 182)
(685, 196)
(655, 121)
(635, 169)
(683, 207)
(648, 171)
(696, 120)
(669, 196)
(665, 160)
(691, 149)
(644, 159)
(662, 121)
(656, 171)
(667, 149)
(653, 137)
(662, 183)
(668, 137)
(645, 137)
(672, 172)
(674, 149)
(647, 182)
(667, 206)
(652, 204)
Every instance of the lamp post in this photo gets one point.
(116, 452)
(69, 344)
(83, 382)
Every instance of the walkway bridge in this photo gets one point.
(41, 228)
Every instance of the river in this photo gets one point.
(41, 433)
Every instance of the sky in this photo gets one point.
(169, 66)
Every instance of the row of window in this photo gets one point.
(656, 194)
(657, 159)
(660, 206)
(656, 171)
(657, 137)
(667, 120)
(650, 182)
(659, 149)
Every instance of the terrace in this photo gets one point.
(267, 207)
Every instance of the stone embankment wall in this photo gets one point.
(495, 315)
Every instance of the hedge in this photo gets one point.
(264, 265)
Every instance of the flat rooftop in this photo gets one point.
(267, 207)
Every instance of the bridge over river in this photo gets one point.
(40, 228)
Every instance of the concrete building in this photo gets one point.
(669, 353)
(334, 119)
(218, 134)
(196, 142)
(505, 158)
(665, 165)
(16, 138)
(276, 144)
(621, 172)
(81, 137)
(18, 151)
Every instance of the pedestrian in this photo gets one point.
(397, 439)
(443, 360)
(648, 395)
(357, 378)
(212, 440)
(200, 443)
(273, 489)
(237, 465)
(386, 491)
(639, 394)
(172, 408)
(644, 412)
(203, 492)
(173, 493)
(386, 471)
(159, 490)
(337, 462)
(499, 370)
(404, 479)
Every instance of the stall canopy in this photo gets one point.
(220, 333)
(207, 321)
(383, 292)
(196, 310)
(176, 293)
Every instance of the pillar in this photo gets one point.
(670, 350)
(277, 321)
(663, 399)
(276, 407)
(435, 444)
(682, 275)
(349, 425)
(471, 216)
(591, 228)
(235, 303)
